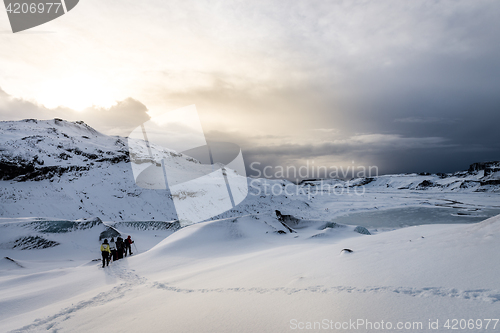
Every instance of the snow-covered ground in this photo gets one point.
(240, 275)
(249, 269)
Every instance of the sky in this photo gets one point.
(407, 86)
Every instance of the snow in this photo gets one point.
(238, 274)
(246, 270)
(102, 184)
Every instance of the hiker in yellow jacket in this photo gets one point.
(106, 252)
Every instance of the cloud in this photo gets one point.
(389, 152)
(119, 119)
(359, 144)
(425, 120)
(327, 130)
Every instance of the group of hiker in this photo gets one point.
(115, 250)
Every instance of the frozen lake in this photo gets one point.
(410, 216)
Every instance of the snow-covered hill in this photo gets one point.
(67, 170)
(21, 237)
(481, 177)
(238, 275)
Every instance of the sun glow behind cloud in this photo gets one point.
(77, 92)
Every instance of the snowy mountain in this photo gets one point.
(480, 177)
(67, 170)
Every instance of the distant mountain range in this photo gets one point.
(61, 169)
(480, 177)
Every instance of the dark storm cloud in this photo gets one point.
(455, 99)
(119, 119)
(435, 115)
(421, 79)
(375, 149)
(425, 120)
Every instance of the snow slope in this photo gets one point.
(65, 170)
(238, 275)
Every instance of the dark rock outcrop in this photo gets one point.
(362, 230)
(488, 167)
(32, 243)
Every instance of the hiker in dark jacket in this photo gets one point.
(128, 245)
(105, 252)
(119, 248)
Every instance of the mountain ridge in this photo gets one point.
(68, 170)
